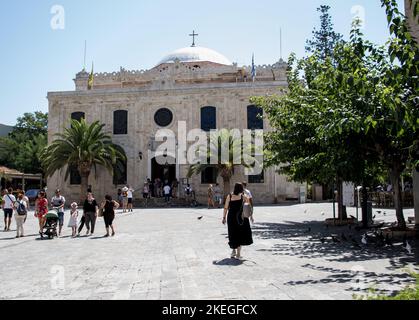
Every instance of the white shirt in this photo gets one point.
(9, 199)
(248, 194)
(129, 193)
(167, 189)
(57, 202)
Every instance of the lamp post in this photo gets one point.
(358, 202)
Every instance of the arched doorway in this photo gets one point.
(165, 172)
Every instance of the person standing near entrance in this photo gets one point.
(175, 187)
(8, 205)
(167, 193)
(130, 196)
(125, 199)
(217, 195)
(58, 203)
(239, 231)
(90, 209)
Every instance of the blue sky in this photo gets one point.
(136, 34)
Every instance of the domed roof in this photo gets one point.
(195, 54)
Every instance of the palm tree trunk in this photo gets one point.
(395, 181)
(84, 186)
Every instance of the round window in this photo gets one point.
(163, 117)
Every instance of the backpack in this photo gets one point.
(21, 209)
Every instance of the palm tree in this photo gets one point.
(84, 147)
(225, 168)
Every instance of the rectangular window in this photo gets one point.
(209, 176)
(120, 122)
(75, 178)
(260, 178)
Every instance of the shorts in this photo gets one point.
(8, 213)
(129, 200)
(61, 218)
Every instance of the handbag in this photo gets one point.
(100, 212)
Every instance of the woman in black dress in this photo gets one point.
(109, 206)
(239, 231)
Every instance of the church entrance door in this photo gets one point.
(165, 172)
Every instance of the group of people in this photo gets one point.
(160, 189)
(91, 209)
(239, 229)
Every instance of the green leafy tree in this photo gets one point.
(324, 39)
(84, 147)
(348, 115)
(21, 148)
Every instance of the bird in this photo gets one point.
(305, 211)
(344, 237)
(323, 213)
(379, 211)
(374, 217)
(364, 239)
(384, 213)
(408, 248)
(323, 240)
(200, 218)
(335, 239)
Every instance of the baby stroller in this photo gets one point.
(51, 223)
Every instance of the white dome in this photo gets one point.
(195, 54)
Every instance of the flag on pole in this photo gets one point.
(91, 80)
(253, 68)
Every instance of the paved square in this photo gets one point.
(170, 254)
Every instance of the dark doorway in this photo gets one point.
(166, 172)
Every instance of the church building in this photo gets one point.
(196, 85)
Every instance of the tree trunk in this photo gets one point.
(397, 191)
(341, 214)
(364, 206)
(227, 189)
(84, 186)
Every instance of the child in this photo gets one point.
(73, 219)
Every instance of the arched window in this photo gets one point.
(75, 178)
(254, 118)
(120, 173)
(78, 116)
(208, 118)
(120, 122)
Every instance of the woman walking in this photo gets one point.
(41, 210)
(109, 206)
(239, 231)
(90, 209)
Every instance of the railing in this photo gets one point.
(386, 199)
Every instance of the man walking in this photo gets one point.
(58, 203)
(8, 205)
(249, 195)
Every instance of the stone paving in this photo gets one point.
(170, 254)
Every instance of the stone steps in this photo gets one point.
(161, 203)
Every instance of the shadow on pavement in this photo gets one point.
(228, 262)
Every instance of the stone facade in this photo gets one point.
(182, 87)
